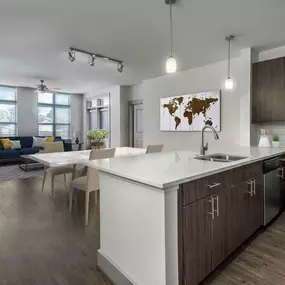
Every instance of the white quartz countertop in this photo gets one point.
(168, 169)
(78, 157)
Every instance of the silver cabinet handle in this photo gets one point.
(213, 209)
(254, 187)
(214, 185)
(282, 172)
(251, 187)
(217, 206)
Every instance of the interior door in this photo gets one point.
(138, 125)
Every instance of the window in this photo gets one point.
(8, 114)
(54, 115)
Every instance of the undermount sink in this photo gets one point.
(220, 157)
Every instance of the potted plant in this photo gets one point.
(97, 138)
(275, 141)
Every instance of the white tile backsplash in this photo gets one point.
(277, 129)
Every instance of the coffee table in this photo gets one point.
(28, 164)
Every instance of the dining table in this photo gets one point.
(69, 158)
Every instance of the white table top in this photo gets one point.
(78, 157)
(169, 169)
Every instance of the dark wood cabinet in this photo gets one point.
(216, 225)
(252, 200)
(268, 91)
(256, 214)
(219, 230)
(282, 184)
(197, 241)
(205, 239)
(235, 200)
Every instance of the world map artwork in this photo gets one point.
(190, 112)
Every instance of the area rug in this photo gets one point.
(10, 172)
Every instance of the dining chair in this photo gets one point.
(52, 147)
(154, 148)
(90, 182)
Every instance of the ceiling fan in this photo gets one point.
(42, 88)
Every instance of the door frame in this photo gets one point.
(131, 105)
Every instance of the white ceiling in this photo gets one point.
(36, 35)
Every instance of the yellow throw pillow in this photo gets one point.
(6, 144)
(49, 139)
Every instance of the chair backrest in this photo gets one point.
(53, 147)
(92, 173)
(154, 148)
(102, 153)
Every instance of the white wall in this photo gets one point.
(124, 115)
(134, 92)
(77, 115)
(27, 106)
(210, 77)
(271, 53)
(245, 96)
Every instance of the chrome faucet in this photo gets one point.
(205, 148)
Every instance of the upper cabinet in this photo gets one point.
(268, 91)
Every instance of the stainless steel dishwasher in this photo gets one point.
(272, 198)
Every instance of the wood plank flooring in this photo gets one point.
(41, 243)
(259, 262)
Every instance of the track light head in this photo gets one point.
(71, 55)
(92, 60)
(230, 37)
(120, 67)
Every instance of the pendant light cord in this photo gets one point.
(229, 59)
(171, 29)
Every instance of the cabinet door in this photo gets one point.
(257, 204)
(282, 185)
(235, 200)
(219, 229)
(268, 86)
(246, 190)
(197, 241)
(252, 192)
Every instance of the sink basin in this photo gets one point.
(220, 157)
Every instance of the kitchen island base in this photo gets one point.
(138, 232)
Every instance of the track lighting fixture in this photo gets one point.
(120, 67)
(94, 56)
(92, 60)
(229, 83)
(71, 55)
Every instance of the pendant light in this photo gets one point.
(229, 83)
(171, 65)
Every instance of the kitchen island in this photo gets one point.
(169, 219)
